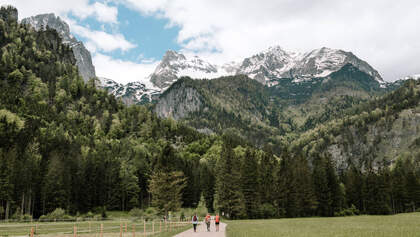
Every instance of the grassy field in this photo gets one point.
(88, 229)
(406, 225)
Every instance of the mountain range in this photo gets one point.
(270, 67)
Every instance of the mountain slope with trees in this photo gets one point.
(261, 114)
(66, 144)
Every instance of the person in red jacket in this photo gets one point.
(217, 222)
(208, 219)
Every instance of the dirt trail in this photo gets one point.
(202, 232)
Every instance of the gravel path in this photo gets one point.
(202, 232)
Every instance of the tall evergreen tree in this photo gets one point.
(249, 183)
(166, 189)
(229, 196)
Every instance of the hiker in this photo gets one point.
(208, 219)
(217, 222)
(195, 222)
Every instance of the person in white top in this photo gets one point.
(195, 222)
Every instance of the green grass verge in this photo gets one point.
(85, 228)
(406, 225)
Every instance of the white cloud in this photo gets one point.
(122, 71)
(100, 40)
(105, 13)
(383, 32)
(80, 8)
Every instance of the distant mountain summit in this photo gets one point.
(270, 67)
(82, 55)
(267, 67)
(276, 63)
(175, 65)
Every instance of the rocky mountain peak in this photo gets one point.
(40, 22)
(175, 65)
(82, 55)
(172, 55)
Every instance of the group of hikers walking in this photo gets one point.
(207, 220)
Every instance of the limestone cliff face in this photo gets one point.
(82, 55)
(178, 102)
(383, 140)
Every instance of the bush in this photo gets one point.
(57, 214)
(150, 213)
(17, 215)
(88, 216)
(136, 212)
(26, 217)
(351, 211)
(43, 218)
(101, 211)
(267, 210)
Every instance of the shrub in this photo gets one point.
(43, 218)
(351, 211)
(150, 213)
(136, 212)
(57, 214)
(26, 217)
(17, 215)
(267, 210)
(88, 216)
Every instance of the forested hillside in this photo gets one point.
(261, 114)
(66, 144)
(379, 130)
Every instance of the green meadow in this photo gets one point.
(406, 225)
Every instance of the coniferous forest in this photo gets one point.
(66, 144)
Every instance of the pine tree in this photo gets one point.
(229, 196)
(166, 189)
(249, 183)
(266, 176)
(353, 181)
(322, 188)
(337, 194)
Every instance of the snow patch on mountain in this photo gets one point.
(131, 93)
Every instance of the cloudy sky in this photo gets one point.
(127, 38)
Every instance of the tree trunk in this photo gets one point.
(28, 203)
(22, 204)
(7, 210)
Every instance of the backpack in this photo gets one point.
(195, 218)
